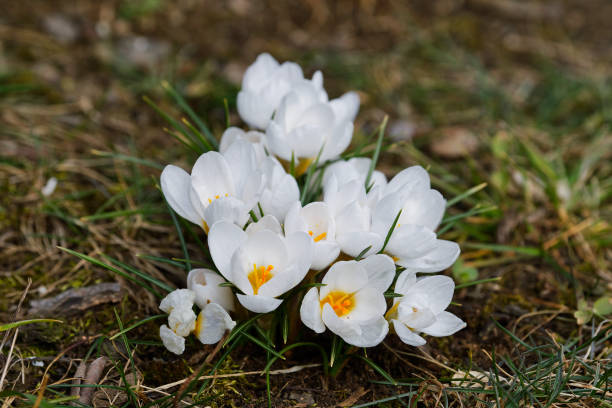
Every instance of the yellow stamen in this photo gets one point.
(341, 302)
(392, 312)
(205, 226)
(318, 237)
(198, 324)
(395, 258)
(259, 276)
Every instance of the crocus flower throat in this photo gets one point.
(259, 276)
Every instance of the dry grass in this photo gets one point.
(512, 94)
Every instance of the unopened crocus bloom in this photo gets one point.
(206, 285)
(280, 190)
(422, 308)
(315, 219)
(262, 263)
(257, 139)
(264, 84)
(307, 122)
(181, 319)
(414, 244)
(220, 187)
(355, 169)
(351, 303)
(350, 208)
(209, 326)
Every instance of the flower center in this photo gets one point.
(259, 276)
(210, 200)
(318, 237)
(341, 302)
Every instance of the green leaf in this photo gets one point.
(464, 274)
(603, 305)
(12, 325)
(381, 135)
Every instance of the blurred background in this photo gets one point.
(515, 94)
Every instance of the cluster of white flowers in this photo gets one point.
(265, 240)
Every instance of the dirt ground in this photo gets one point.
(467, 85)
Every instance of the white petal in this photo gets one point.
(265, 248)
(411, 241)
(206, 286)
(337, 141)
(171, 340)
(179, 298)
(230, 135)
(223, 240)
(301, 251)
(407, 179)
(211, 177)
(353, 243)
(445, 325)
(342, 327)
(226, 209)
(182, 320)
(372, 333)
(441, 257)
(381, 271)
(438, 289)
(407, 335)
(424, 207)
(176, 186)
(325, 252)
(259, 304)
(277, 142)
(405, 282)
(346, 276)
(415, 320)
(267, 222)
(369, 303)
(310, 311)
(252, 111)
(293, 220)
(345, 107)
(212, 324)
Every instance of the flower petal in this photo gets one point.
(342, 327)
(176, 186)
(206, 286)
(223, 240)
(179, 298)
(172, 341)
(445, 325)
(310, 311)
(325, 252)
(381, 271)
(406, 335)
(211, 177)
(405, 281)
(212, 324)
(438, 289)
(441, 257)
(267, 222)
(301, 251)
(259, 304)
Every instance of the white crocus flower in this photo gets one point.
(181, 319)
(315, 219)
(421, 308)
(350, 208)
(264, 84)
(261, 263)
(352, 302)
(355, 169)
(212, 323)
(413, 243)
(220, 187)
(172, 341)
(305, 122)
(280, 190)
(257, 139)
(206, 285)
